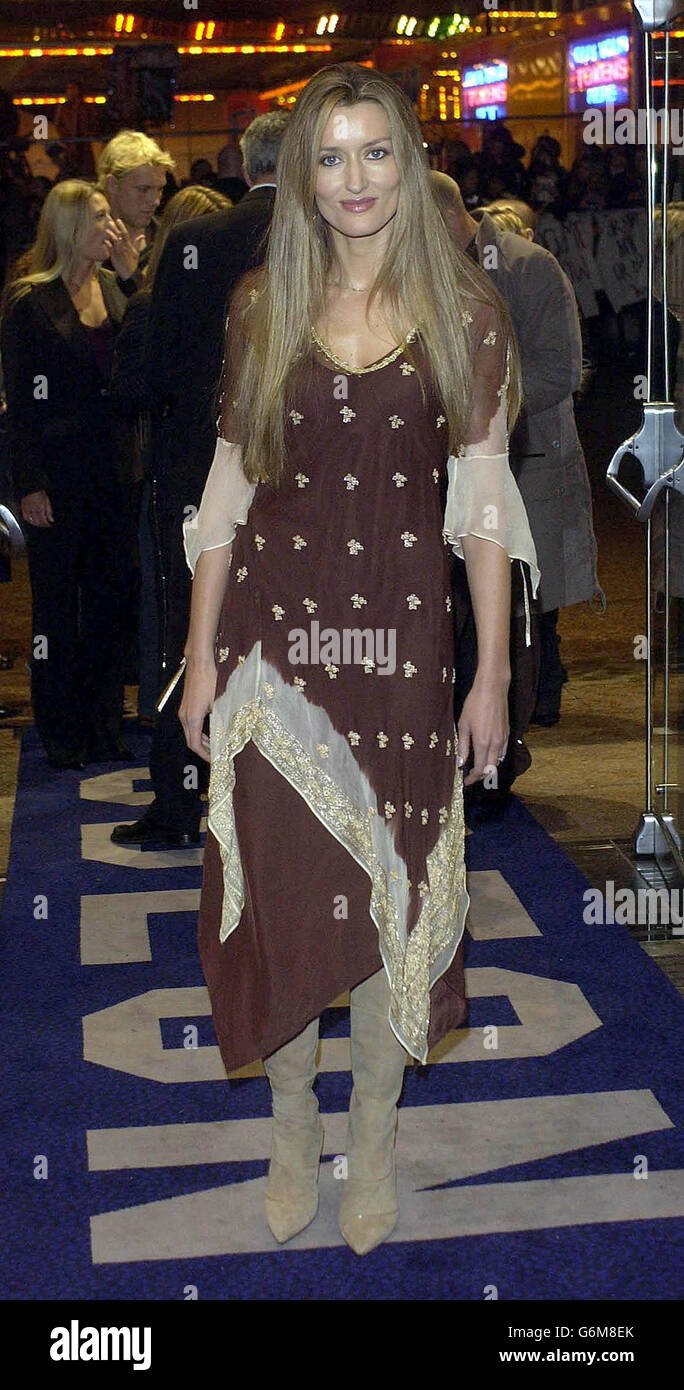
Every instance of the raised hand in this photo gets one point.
(124, 248)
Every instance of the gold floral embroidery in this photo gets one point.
(435, 936)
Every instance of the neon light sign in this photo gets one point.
(482, 76)
(598, 71)
(484, 91)
(601, 96)
(612, 46)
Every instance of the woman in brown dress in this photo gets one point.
(366, 361)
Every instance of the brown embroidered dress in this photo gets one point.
(336, 834)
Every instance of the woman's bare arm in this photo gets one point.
(483, 726)
(208, 589)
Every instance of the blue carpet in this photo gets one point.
(52, 1098)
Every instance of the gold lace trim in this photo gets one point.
(373, 366)
(439, 928)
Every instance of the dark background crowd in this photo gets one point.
(135, 346)
(600, 178)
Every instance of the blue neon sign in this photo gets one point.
(600, 50)
(485, 76)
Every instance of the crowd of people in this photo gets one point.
(207, 435)
(86, 303)
(135, 200)
(601, 177)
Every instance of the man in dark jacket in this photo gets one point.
(202, 261)
(545, 452)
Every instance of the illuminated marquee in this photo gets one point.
(484, 91)
(598, 71)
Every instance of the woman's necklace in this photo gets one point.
(374, 366)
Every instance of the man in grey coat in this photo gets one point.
(545, 452)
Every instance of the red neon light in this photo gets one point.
(491, 94)
(598, 74)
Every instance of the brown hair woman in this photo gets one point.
(367, 361)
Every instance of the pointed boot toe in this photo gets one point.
(290, 1203)
(363, 1233)
(291, 1199)
(368, 1213)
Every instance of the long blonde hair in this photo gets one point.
(425, 280)
(62, 230)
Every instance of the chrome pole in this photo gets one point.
(666, 370)
(658, 445)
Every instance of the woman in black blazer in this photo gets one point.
(71, 469)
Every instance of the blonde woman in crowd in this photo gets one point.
(71, 473)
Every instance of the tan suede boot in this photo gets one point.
(369, 1210)
(292, 1188)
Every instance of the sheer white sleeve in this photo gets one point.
(483, 498)
(225, 504)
